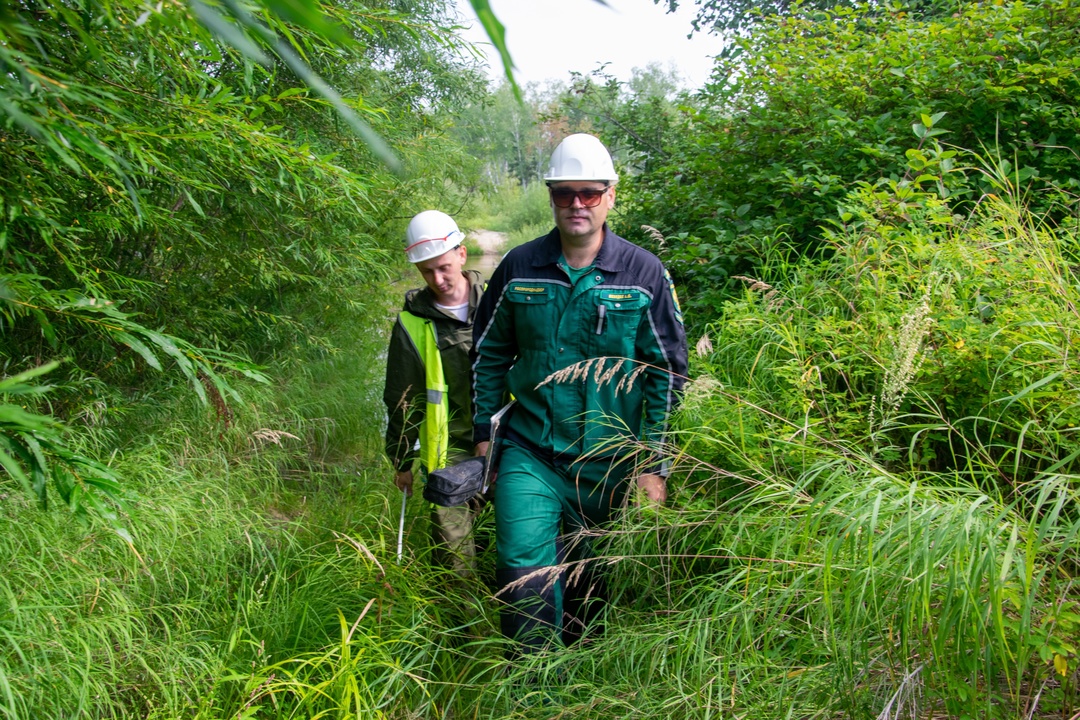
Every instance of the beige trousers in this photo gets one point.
(451, 530)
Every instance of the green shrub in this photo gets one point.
(525, 233)
(875, 505)
(810, 104)
(169, 205)
(511, 208)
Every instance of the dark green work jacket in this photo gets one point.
(619, 327)
(405, 390)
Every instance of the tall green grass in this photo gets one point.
(252, 538)
(823, 561)
(814, 561)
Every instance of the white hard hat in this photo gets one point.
(581, 157)
(431, 234)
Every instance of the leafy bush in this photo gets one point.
(963, 324)
(525, 233)
(201, 187)
(510, 208)
(876, 496)
(33, 452)
(808, 105)
(167, 203)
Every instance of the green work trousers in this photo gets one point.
(541, 504)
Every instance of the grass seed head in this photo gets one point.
(603, 374)
(907, 358)
(655, 235)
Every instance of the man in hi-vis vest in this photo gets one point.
(428, 374)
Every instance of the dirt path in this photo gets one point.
(490, 242)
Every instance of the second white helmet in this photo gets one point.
(581, 157)
(431, 234)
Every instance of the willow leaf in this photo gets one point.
(140, 347)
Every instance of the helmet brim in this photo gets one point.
(578, 178)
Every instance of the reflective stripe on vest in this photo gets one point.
(435, 427)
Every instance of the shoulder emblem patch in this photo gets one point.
(674, 296)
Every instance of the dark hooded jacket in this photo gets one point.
(405, 387)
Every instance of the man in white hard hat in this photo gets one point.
(584, 329)
(428, 376)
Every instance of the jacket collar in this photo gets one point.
(607, 259)
(421, 301)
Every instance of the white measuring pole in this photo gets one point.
(401, 527)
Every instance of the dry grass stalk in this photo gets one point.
(553, 573)
(274, 436)
(774, 301)
(603, 379)
(569, 373)
(575, 574)
(602, 373)
(655, 235)
(905, 698)
(704, 346)
(754, 284)
(598, 371)
(700, 391)
(363, 550)
(403, 402)
(630, 379)
(906, 360)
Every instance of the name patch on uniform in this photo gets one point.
(624, 299)
(524, 289)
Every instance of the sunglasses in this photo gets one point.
(564, 197)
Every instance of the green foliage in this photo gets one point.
(807, 107)
(511, 207)
(167, 201)
(524, 233)
(33, 453)
(735, 16)
(497, 34)
(253, 34)
(226, 572)
(637, 118)
(839, 590)
(874, 504)
(812, 561)
(231, 170)
(963, 324)
(248, 541)
(508, 135)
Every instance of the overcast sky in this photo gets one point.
(549, 38)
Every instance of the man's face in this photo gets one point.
(579, 221)
(443, 273)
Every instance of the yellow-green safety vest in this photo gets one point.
(435, 427)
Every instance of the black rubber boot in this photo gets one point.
(529, 614)
(584, 590)
(584, 600)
